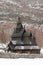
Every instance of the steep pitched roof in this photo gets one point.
(20, 30)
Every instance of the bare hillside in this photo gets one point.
(29, 10)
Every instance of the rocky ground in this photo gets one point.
(29, 10)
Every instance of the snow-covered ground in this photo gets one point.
(41, 51)
(21, 61)
(2, 47)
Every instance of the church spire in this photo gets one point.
(19, 25)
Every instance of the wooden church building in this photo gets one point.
(23, 41)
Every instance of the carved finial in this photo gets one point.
(19, 19)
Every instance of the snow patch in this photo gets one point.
(41, 51)
(2, 45)
(2, 51)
